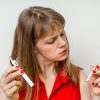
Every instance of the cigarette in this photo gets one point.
(24, 75)
(90, 75)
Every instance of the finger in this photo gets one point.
(96, 81)
(10, 70)
(98, 84)
(11, 91)
(12, 84)
(92, 67)
(15, 83)
(14, 75)
(97, 67)
(18, 78)
(96, 72)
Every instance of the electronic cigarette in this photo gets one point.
(24, 75)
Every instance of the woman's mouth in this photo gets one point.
(63, 52)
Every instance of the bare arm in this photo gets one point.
(84, 88)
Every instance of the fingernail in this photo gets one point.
(18, 67)
(97, 66)
(22, 71)
(92, 83)
(92, 67)
(94, 71)
(96, 84)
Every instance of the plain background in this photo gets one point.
(82, 28)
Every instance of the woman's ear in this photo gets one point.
(35, 50)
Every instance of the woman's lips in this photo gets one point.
(63, 52)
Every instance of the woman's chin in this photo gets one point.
(62, 58)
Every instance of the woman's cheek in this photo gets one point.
(48, 52)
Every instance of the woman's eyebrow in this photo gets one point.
(56, 35)
(52, 37)
(62, 31)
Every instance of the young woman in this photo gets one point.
(42, 49)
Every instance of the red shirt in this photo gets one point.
(63, 89)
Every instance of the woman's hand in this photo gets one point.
(10, 83)
(95, 80)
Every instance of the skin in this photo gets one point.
(95, 80)
(90, 90)
(49, 49)
(47, 54)
(9, 84)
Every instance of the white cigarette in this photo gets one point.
(24, 75)
(90, 75)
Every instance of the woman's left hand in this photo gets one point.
(95, 80)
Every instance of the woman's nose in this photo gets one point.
(62, 42)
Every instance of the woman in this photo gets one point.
(42, 49)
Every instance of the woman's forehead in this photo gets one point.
(54, 31)
(52, 34)
(51, 30)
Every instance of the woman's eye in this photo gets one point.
(62, 34)
(51, 41)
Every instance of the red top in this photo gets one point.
(63, 89)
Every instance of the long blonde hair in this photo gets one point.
(34, 23)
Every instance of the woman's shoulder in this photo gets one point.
(83, 77)
(78, 67)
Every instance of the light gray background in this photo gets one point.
(82, 27)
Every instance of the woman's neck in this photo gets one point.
(47, 67)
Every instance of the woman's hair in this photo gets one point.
(34, 23)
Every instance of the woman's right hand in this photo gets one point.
(10, 83)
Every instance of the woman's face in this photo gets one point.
(53, 47)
